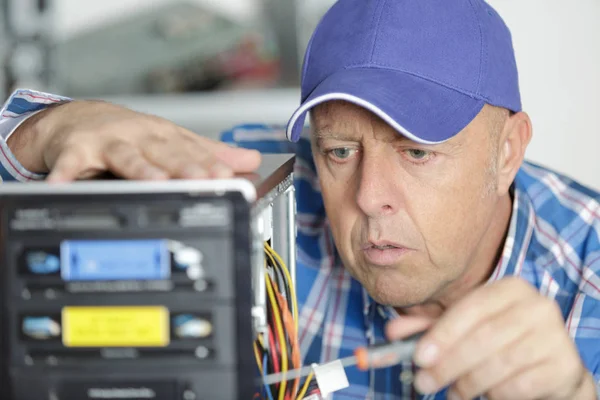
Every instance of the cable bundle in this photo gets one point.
(279, 351)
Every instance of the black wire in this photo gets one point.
(282, 283)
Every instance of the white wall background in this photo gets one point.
(557, 43)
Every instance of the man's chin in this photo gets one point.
(393, 299)
(389, 292)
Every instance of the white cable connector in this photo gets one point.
(330, 377)
(266, 219)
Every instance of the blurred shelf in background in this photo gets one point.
(211, 113)
(134, 47)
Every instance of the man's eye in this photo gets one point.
(418, 154)
(342, 152)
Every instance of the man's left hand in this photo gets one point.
(504, 341)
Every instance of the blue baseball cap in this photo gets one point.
(426, 67)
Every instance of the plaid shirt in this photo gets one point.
(553, 243)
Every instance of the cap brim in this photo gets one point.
(419, 109)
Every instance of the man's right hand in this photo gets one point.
(83, 139)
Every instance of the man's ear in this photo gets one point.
(514, 139)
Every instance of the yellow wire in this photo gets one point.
(282, 342)
(270, 254)
(261, 341)
(302, 392)
(257, 358)
(290, 284)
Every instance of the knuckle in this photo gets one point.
(466, 386)
(117, 148)
(181, 167)
(524, 385)
(188, 158)
(136, 168)
(170, 151)
(123, 158)
(159, 128)
(133, 165)
(440, 373)
(442, 333)
(504, 392)
(478, 380)
(158, 142)
(198, 158)
(507, 391)
(483, 335)
(211, 161)
(510, 357)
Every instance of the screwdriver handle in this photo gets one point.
(386, 354)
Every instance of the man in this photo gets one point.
(433, 220)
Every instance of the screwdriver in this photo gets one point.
(377, 356)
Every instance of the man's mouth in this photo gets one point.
(384, 253)
(387, 246)
(382, 245)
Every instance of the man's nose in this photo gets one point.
(378, 193)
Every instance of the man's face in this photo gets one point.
(407, 219)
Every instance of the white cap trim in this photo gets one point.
(360, 102)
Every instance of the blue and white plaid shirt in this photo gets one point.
(553, 243)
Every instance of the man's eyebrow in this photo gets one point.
(326, 133)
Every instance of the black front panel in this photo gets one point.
(128, 296)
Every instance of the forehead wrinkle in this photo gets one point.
(325, 126)
(350, 123)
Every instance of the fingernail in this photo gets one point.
(425, 383)
(452, 395)
(427, 355)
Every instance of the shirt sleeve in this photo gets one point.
(21, 105)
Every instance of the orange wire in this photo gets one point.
(288, 322)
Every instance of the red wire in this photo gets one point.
(274, 350)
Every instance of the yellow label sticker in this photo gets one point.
(121, 326)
